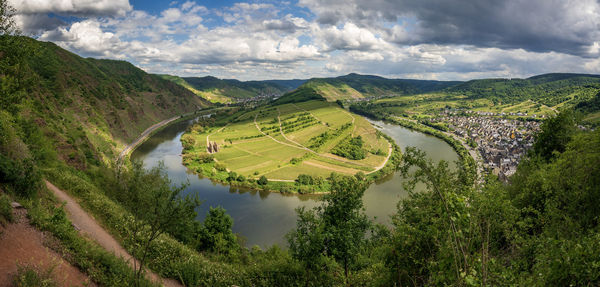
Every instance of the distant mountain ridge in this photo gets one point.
(231, 90)
(355, 86)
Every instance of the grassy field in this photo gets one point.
(284, 141)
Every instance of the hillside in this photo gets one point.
(85, 109)
(228, 90)
(355, 86)
(549, 89)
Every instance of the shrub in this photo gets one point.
(350, 148)
(29, 275)
(263, 180)
(220, 166)
(5, 210)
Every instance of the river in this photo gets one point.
(264, 218)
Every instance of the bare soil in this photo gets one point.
(21, 243)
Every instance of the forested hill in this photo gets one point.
(355, 86)
(230, 90)
(547, 89)
(83, 110)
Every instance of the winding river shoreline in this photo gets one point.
(263, 218)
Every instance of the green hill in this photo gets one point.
(85, 110)
(548, 89)
(355, 86)
(229, 90)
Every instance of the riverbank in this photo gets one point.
(292, 149)
(307, 185)
(465, 155)
(156, 128)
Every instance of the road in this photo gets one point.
(143, 137)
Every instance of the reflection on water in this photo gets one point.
(264, 218)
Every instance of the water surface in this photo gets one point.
(264, 218)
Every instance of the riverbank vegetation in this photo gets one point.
(285, 142)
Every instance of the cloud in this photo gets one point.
(87, 38)
(393, 38)
(35, 24)
(73, 7)
(534, 25)
(349, 37)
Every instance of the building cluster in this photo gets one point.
(500, 141)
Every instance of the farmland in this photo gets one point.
(284, 141)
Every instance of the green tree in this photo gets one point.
(216, 234)
(263, 180)
(554, 135)
(336, 229)
(344, 220)
(155, 204)
(7, 20)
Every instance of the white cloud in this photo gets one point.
(87, 38)
(261, 41)
(72, 7)
(349, 37)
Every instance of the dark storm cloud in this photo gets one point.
(534, 25)
(34, 24)
(282, 25)
(80, 8)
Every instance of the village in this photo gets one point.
(501, 142)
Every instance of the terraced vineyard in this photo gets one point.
(285, 141)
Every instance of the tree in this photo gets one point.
(306, 242)
(216, 234)
(336, 229)
(554, 135)
(263, 180)
(7, 20)
(155, 204)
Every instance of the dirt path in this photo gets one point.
(22, 243)
(91, 229)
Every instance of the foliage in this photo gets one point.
(262, 180)
(102, 267)
(5, 209)
(216, 234)
(22, 177)
(350, 148)
(555, 134)
(156, 207)
(540, 228)
(335, 230)
(33, 276)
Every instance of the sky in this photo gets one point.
(257, 40)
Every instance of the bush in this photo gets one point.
(5, 210)
(22, 177)
(263, 180)
(29, 275)
(220, 166)
(350, 148)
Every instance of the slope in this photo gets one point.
(84, 109)
(355, 86)
(553, 90)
